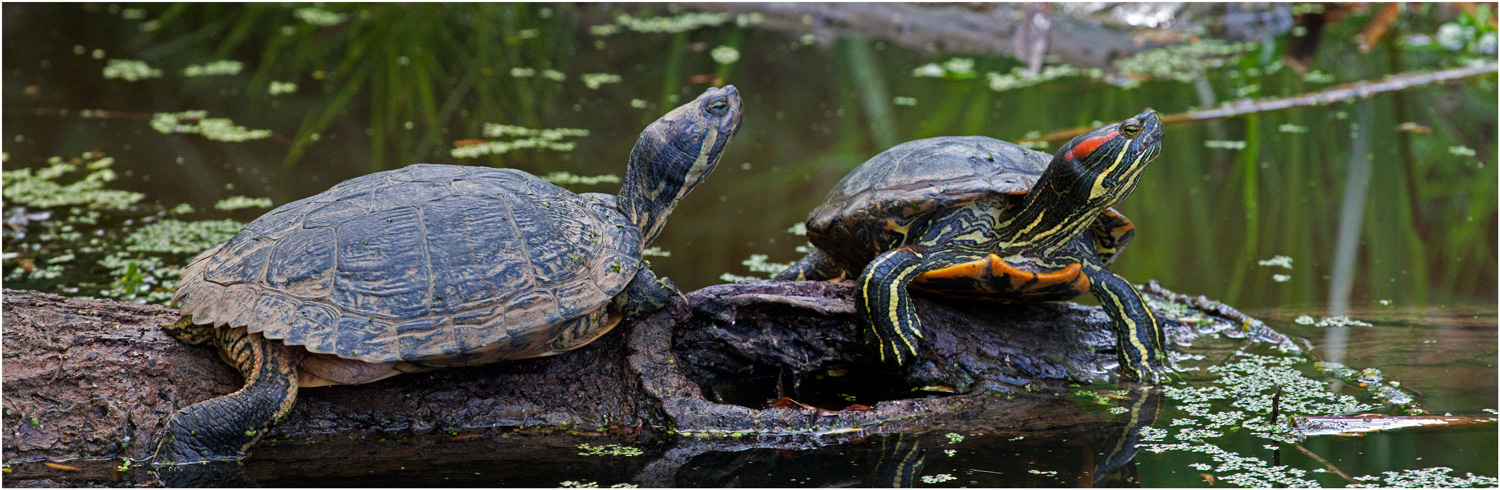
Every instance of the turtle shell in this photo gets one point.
(423, 262)
(864, 213)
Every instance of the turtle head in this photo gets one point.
(1107, 161)
(675, 154)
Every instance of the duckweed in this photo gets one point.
(595, 80)
(216, 68)
(1020, 77)
(1333, 321)
(130, 70)
(681, 23)
(725, 55)
(609, 450)
(40, 188)
(938, 478)
(565, 178)
(1184, 62)
(279, 88)
(320, 17)
(184, 237)
(198, 122)
(530, 138)
(241, 202)
(1224, 145)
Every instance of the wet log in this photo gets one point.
(783, 364)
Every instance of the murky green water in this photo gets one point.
(1406, 178)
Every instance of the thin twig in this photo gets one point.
(1325, 462)
(1333, 94)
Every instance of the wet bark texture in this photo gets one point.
(91, 379)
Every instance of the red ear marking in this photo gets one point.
(1084, 148)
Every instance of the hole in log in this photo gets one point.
(755, 353)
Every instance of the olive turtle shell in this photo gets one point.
(855, 222)
(423, 262)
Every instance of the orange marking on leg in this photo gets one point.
(972, 270)
(1019, 278)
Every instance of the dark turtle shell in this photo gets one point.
(869, 209)
(424, 262)
(861, 215)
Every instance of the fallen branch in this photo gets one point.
(1324, 97)
(94, 380)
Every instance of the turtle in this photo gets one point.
(976, 218)
(426, 267)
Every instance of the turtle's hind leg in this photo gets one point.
(815, 266)
(225, 427)
(184, 330)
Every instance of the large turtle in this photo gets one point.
(979, 218)
(425, 267)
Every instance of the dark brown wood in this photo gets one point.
(87, 379)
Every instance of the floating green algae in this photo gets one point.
(609, 450)
(40, 188)
(565, 178)
(595, 80)
(215, 68)
(320, 17)
(279, 88)
(1184, 62)
(130, 70)
(528, 138)
(198, 122)
(242, 202)
(1020, 77)
(181, 237)
(725, 55)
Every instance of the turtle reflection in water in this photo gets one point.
(979, 218)
(425, 267)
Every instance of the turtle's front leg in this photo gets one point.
(225, 427)
(1142, 344)
(883, 301)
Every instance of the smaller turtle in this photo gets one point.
(425, 267)
(978, 218)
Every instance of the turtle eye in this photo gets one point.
(718, 107)
(1130, 128)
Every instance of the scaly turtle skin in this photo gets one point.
(978, 218)
(425, 267)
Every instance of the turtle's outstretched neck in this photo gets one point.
(1090, 173)
(1057, 209)
(668, 162)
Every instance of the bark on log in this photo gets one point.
(95, 380)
